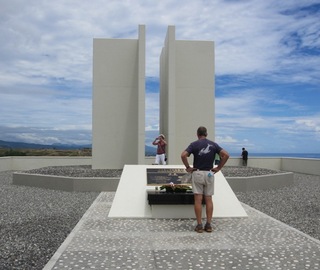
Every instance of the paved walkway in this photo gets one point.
(257, 242)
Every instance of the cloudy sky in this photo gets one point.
(267, 67)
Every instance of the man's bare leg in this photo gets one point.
(209, 213)
(209, 208)
(198, 207)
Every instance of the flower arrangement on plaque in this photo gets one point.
(175, 188)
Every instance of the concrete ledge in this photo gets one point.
(64, 183)
(260, 182)
(83, 184)
(296, 165)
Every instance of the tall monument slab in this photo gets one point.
(186, 92)
(118, 123)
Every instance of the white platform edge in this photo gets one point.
(130, 200)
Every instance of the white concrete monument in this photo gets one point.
(131, 199)
(186, 97)
(186, 92)
(118, 117)
(186, 102)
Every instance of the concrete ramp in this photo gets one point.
(131, 201)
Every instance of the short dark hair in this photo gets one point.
(202, 131)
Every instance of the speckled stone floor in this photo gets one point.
(256, 242)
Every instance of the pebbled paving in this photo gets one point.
(256, 242)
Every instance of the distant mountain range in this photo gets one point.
(58, 146)
(149, 151)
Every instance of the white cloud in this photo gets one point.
(265, 120)
(309, 124)
(227, 139)
(46, 60)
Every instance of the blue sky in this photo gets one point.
(267, 60)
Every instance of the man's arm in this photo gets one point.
(224, 156)
(184, 158)
(162, 140)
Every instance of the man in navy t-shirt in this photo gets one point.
(203, 170)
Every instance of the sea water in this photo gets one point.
(293, 155)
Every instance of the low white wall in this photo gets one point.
(301, 165)
(261, 182)
(16, 163)
(5, 164)
(267, 163)
(149, 160)
(82, 184)
(298, 165)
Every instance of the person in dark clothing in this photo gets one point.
(203, 170)
(244, 155)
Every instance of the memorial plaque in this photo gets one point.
(158, 177)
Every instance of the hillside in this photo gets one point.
(23, 145)
(32, 149)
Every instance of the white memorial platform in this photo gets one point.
(131, 198)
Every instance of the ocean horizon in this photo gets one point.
(293, 155)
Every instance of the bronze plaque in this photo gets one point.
(166, 176)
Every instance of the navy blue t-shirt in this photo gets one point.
(204, 152)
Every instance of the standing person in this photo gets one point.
(203, 171)
(244, 155)
(161, 149)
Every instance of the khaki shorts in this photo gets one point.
(202, 183)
